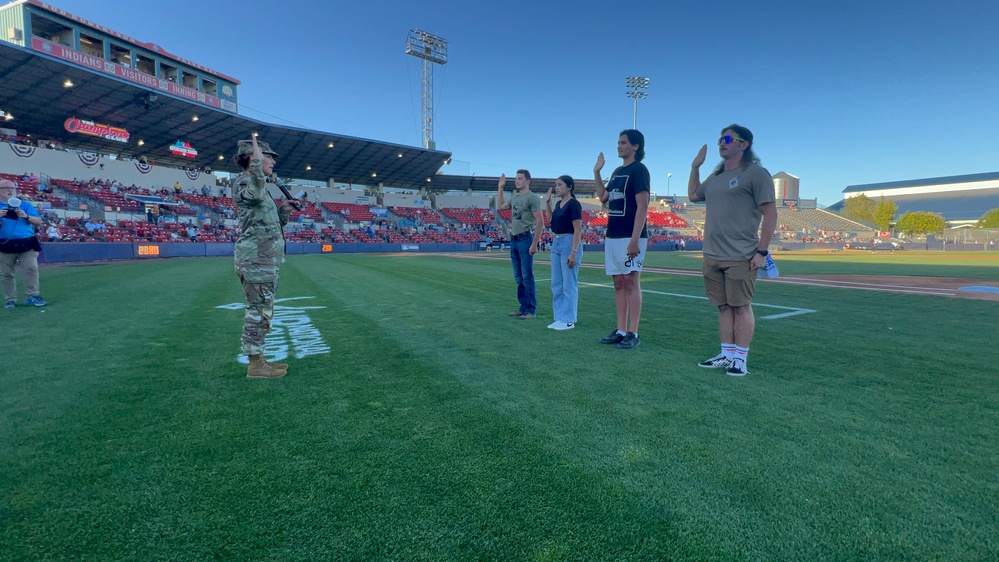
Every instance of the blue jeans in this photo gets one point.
(565, 287)
(523, 273)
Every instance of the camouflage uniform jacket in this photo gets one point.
(260, 248)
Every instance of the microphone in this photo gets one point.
(287, 192)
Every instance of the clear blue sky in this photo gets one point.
(836, 93)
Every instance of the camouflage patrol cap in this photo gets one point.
(246, 147)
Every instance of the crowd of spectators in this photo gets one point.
(197, 214)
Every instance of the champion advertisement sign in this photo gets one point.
(83, 127)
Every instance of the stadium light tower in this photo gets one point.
(637, 85)
(433, 50)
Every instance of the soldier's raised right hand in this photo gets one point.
(257, 154)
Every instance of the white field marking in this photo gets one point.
(794, 311)
(829, 284)
(292, 332)
(906, 289)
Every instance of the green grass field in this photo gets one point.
(427, 425)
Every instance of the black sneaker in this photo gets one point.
(630, 341)
(717, 362)
(614, 337)
(738, 368)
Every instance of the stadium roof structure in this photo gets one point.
(926, 182)
(32, 89)
(956, 198)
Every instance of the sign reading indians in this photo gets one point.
(126, 72)
(183, 149)
(108, 132)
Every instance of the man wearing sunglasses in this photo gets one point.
(738, 194)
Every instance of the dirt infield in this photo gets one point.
(939, 286)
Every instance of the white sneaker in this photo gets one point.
(554, 325)
(564, 326)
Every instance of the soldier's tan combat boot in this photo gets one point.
(261, 369)
(277, 365)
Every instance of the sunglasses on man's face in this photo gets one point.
(727, 139)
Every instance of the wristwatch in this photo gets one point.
(763, 253)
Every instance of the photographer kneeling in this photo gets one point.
(18, 246)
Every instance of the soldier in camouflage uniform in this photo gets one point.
(259, 251)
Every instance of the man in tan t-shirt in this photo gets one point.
(527, 224)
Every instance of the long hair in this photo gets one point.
(635, 137)
(748, 157)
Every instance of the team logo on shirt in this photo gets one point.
(733, 183)
(616, 200)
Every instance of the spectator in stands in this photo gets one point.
(259, 251)
(205, 190)
(567, 251)
(527, 223)
(52, 233)
(177, 189)
(627, 197)
(738, 194)
(19, 247)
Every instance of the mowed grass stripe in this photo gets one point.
(518, 402)
(422, 437)
(137, 491)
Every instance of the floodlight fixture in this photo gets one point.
(637, 84)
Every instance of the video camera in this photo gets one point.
(13, 204)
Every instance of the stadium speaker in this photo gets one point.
(146, 101)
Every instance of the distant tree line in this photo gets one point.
(881, 214)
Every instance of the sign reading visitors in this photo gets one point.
(126, 72)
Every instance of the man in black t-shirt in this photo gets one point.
(627, 197)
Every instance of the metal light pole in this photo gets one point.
(432, 50)
(637, 84)
(668, 190)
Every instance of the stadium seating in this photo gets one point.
(427, 216)
(473, 217)
(350, 212)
